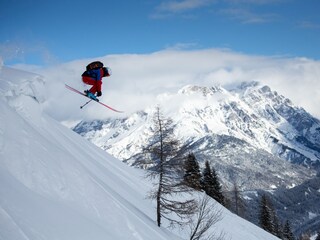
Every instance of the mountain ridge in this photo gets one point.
(208, 111)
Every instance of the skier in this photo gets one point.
(93, 76)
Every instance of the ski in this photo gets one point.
(103, 104)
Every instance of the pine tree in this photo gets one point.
(217, 187)
(265, 217)
(287, 233)
(211, 184)
(277, 230)
(268, 218)
(207, 179)
(192, 176)
(318, 237)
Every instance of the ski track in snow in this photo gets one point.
(11, 226)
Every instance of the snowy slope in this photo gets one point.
(56, 185)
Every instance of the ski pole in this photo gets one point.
(85, 103)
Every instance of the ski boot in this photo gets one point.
(91, 95)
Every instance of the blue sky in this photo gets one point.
(45, 32)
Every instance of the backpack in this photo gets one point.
(94, 65)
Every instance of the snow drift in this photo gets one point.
(56, 185)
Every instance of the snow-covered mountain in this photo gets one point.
(251, 134)
(56, 185)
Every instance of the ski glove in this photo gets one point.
(99, 94)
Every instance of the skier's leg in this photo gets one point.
(96, 87)
(90, 81)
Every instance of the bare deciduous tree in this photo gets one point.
(206, 216)
(163, 147)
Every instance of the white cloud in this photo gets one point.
(308, 25)
(247, 16)
(244, 11)
(138, 79)
(181, 6)
(168, 8)
(256, 2)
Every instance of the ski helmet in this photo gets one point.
(108, 71)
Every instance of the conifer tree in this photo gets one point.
(192, 176)
(265, 217)
(217, 187)
(318, 237)
(287, 233)
(211, 184)
(268, 218)
(277, 227)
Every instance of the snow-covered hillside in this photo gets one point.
(56, 185)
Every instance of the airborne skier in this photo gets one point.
(93, 75)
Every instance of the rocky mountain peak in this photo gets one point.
(205, 91)
(228, 127)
